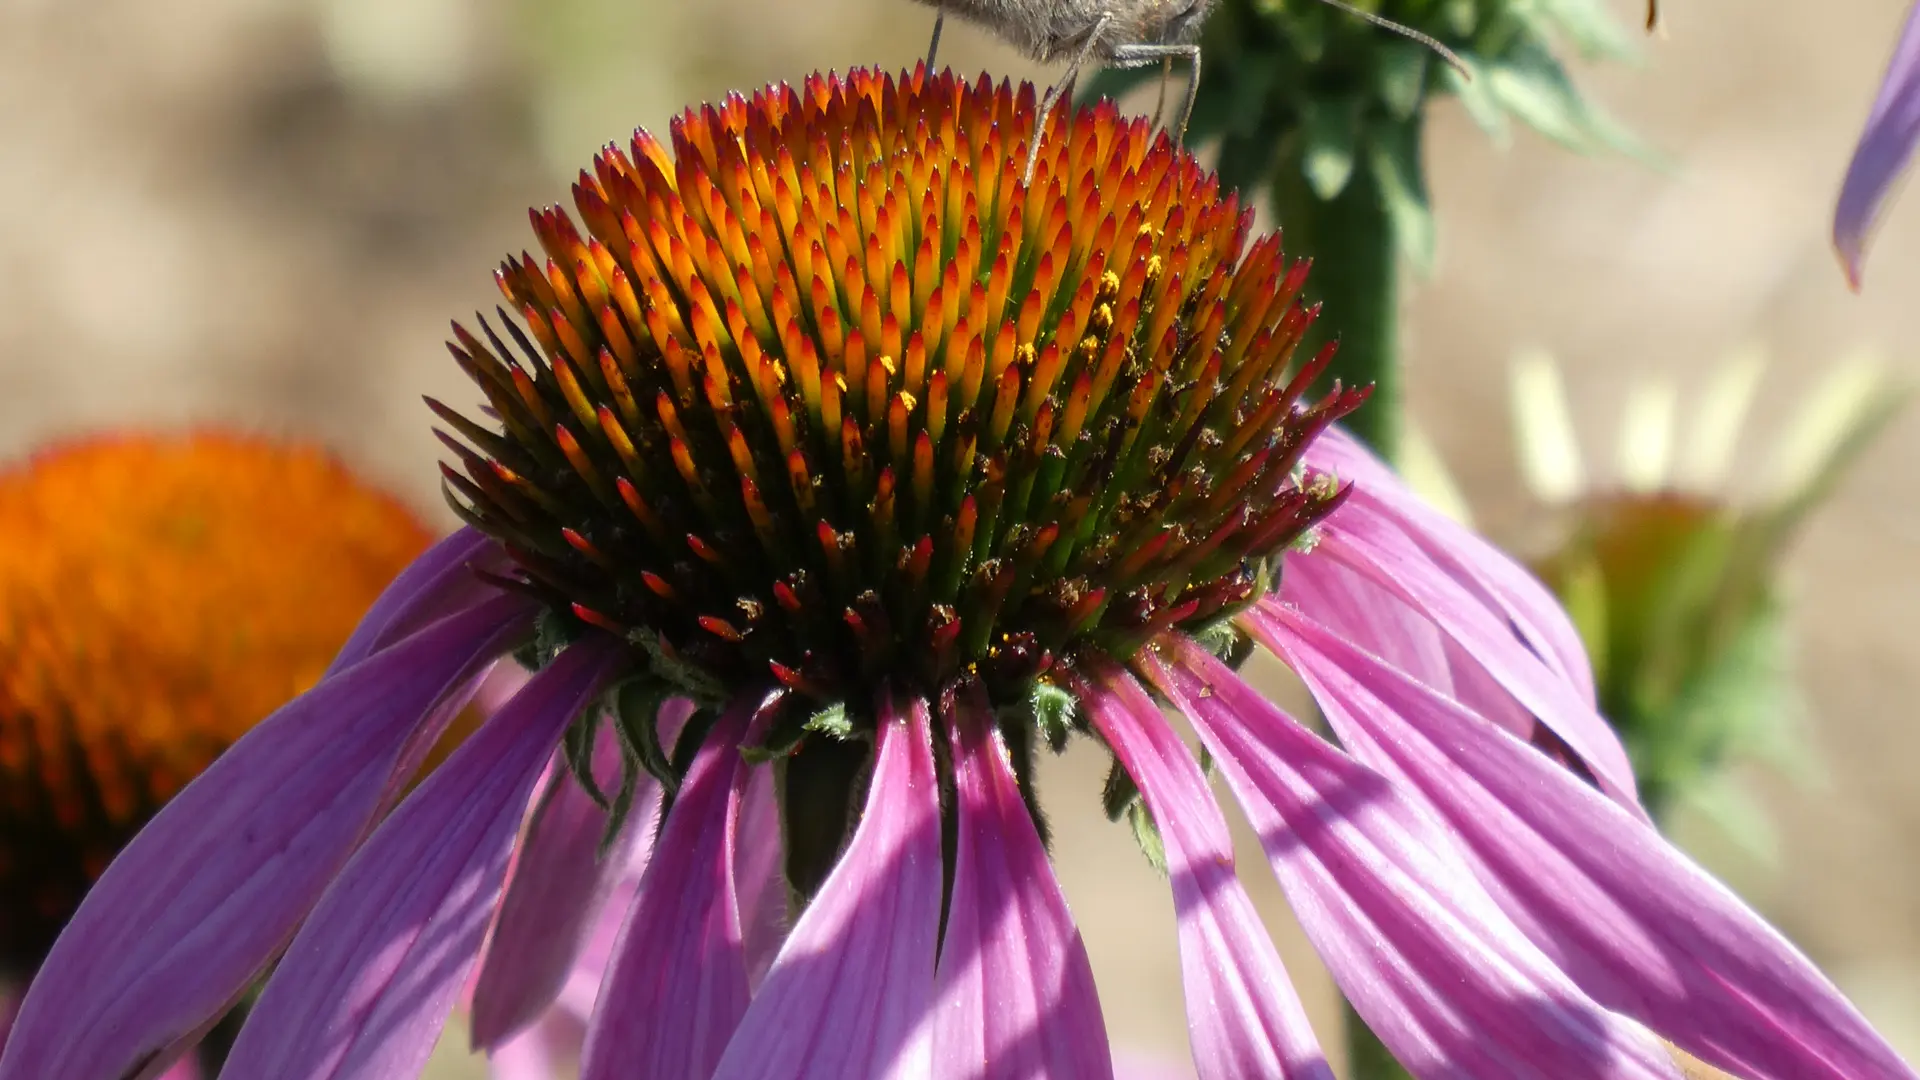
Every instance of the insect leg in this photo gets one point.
(933, 47)
(1135, 55)
(1166, 76)
(1055, 94)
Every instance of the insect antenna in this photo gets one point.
(1453, 59)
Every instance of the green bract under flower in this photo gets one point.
(825, 395)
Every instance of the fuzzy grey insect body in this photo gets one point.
(1113, 33)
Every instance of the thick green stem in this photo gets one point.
(1356, 275)
(1367, 1059)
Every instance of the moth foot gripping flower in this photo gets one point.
(158, 595)
(826, 470)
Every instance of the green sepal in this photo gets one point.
(1147, 834)
(553, 631)
(1118, 793)
(690, 679)
(831, 721)
(637, 705)
(1055, 713)
(1120, 798)
(576, 750)
(783, 737)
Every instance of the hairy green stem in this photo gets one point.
(1356, 275)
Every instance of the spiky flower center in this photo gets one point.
(158, 596)
(828, 395)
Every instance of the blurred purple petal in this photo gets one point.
(851, 993)
(1885, 148)
(440, 580)
(1243, 1016)
(218, 881)
(1015, 991)
(367, 985)
(676, 984)
(1416, 944)
(555, 890)
(1634, 922)
(533, 1054)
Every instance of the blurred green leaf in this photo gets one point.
(1331, 130)
(1530, 83)
(1589, 27)
(1477, 97)
(1400, 75)
(1393, 154)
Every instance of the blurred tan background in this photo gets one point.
(263, 212)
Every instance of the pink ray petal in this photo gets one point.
(555, 890)
(1885, 148)
(1243, 1014)
(367, 985)
(676, 984)
(440, 580)
(1014, 988)
(1374, 547)
(1634, 922)
(1423, 953)
(1361, 610)
(217, 882)
(1529, 607)
(852, 990)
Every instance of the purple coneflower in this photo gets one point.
(159, 593)
(1885, 147)
(833, 473)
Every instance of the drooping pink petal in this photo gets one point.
(539, 1051)
(1014, 990)
(582, 989)
(529, 1055)
(1529, 608)
(1631, 919)
(1376, 548)
(759, 887)
(365, 988)
(1885, 147)
(1243, 1016)
(439, 581)
(676, 984)
(1361, 610)
(217, 882)
(851, 992)
(555, 890)
(1449, 984)
(580, 986)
